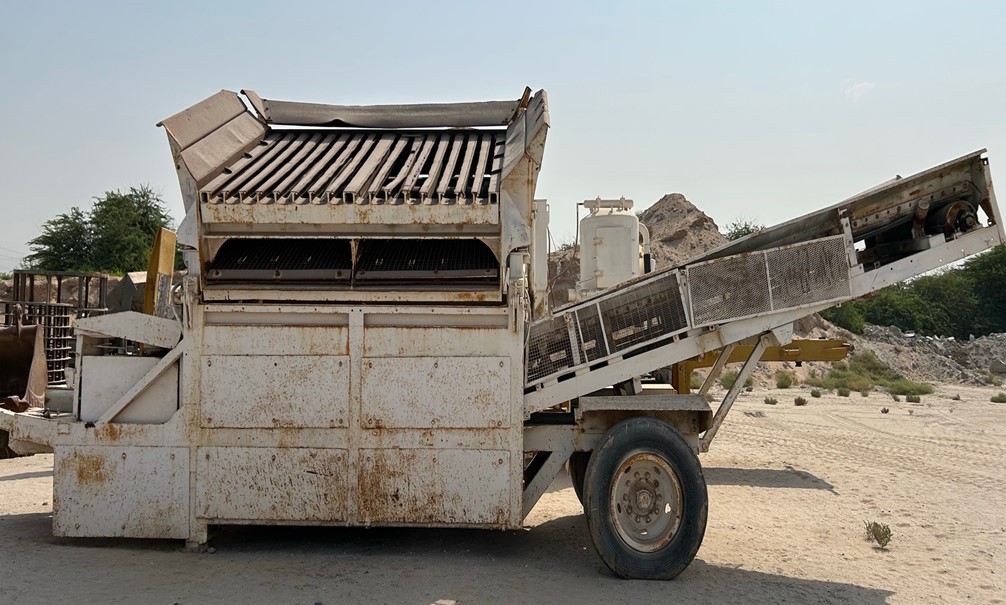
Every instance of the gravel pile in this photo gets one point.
(934, 358)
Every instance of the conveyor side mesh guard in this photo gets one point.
(645, 311)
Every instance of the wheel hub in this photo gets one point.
(646, 502)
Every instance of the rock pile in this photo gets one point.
(933, 358)
(679, 231)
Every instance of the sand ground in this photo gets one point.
(789, 490)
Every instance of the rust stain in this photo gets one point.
(108, 432)
(91, 469)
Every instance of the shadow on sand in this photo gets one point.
(28, 475)
(765, 477)
(551, 562)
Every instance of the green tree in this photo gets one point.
(896, 306)
(64, 245)
(847, 316)
(741, 227)
(970, 299)
(115, 236)
(950, 307)
(123, 226)
(986, 274)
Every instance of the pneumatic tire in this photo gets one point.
(646, 500)
(576, 466)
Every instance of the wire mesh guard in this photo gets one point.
(761, 282)
(642, 313)
(647, 311)
(282, 260)
(812, 272)
(382, 259)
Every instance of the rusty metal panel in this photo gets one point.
(271, 484)
(95, 492)
(447, 486)
(263, 391)
(459, 217)
(394, 341)
(441, 392)
(275, 340)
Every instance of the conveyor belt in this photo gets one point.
(762, 282)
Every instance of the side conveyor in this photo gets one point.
(764, 282)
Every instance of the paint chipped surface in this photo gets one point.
(434, 486)
(271, 484)
(96, 492)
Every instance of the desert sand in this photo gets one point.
(789, 490)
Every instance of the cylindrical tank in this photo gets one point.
(609, 244)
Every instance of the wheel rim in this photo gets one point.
(646, 502)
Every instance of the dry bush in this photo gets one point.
(878, 532)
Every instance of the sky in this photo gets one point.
(756, 110)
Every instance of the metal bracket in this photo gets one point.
(728, 401)
(534, 490)
(155, 372)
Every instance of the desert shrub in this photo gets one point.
(695, 381)
(913, 399)
(784, 379)
(903, 386)
(842, 391)
(728, 378)
(864, 371)
(771, 401)
(878, 532)
(1000, 398)
(815, 393)
(799, 401)
(895, 397)
(884, 410)
(865, 392)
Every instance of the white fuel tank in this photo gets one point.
(614, 245)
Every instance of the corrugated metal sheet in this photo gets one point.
(364, 167)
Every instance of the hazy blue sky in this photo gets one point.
(761, 109)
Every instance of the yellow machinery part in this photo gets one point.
(798, 350)
(157, 294)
